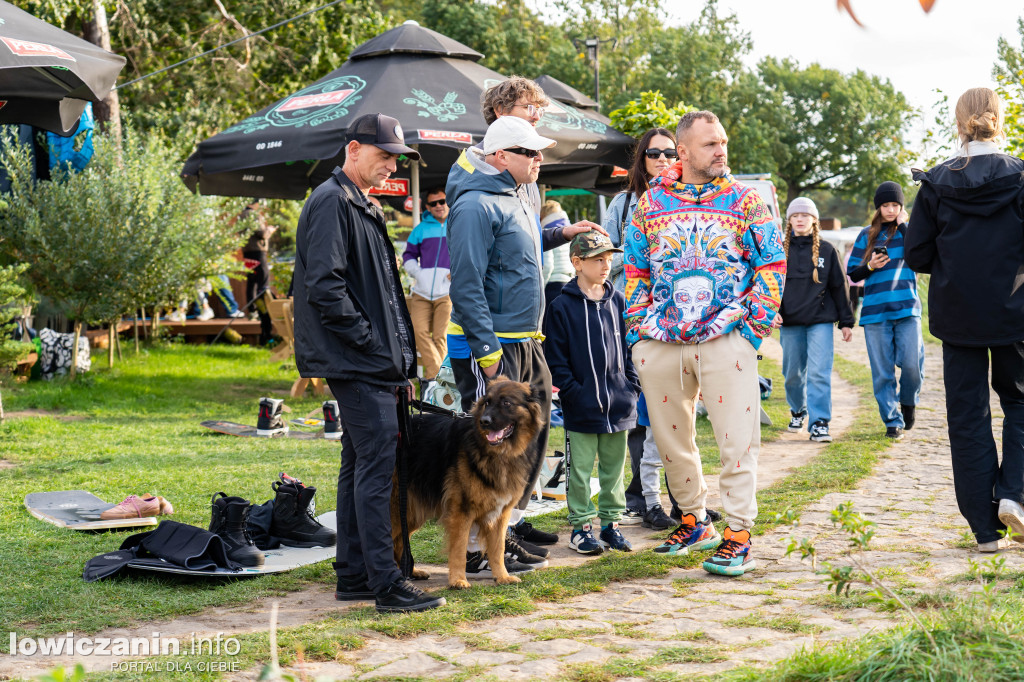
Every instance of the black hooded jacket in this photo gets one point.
(967, 231)
(806, 302)
(590, 362)
(346, 319)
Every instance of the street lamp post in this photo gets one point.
(592, 46)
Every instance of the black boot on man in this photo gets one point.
(228, 520)
(293, 522)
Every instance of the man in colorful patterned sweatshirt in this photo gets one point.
(705, 268)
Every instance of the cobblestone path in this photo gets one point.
(690, 622)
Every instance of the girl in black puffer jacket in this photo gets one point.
(815, 298)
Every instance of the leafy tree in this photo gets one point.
(650, 111)
(12, 295)
(121, 233)
(1009, 73)
(826, 129)
(217, 90)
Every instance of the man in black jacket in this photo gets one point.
(352, 327)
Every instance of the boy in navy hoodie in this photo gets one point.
(590, 364)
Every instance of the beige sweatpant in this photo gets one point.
(430, 324)
(724, 370)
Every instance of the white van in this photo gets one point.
(762, 182)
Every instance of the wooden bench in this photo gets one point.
(282, 316)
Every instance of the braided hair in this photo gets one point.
(815, 245)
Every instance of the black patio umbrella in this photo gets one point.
(47, 75)
(566, 94)
(429, 82)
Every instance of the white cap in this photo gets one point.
(801, 205)
(509, 131)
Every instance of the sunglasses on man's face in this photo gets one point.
(436, 202)
(654, 153)
(528, 153)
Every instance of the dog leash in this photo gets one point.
(404, 427)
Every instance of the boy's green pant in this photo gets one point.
(581, 449)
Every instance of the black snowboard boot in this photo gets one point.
(293, 522)
(228, 520)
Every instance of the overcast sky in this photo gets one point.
(952, 48)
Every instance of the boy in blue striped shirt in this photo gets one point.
(891, 311)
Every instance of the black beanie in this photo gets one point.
(888, 191)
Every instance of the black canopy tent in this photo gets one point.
(48, 75)
(430, 83)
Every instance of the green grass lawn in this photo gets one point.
(135, 429)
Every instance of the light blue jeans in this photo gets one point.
(807, 365)
(892, 344)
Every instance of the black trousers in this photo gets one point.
(523, 361)
(369, 442)
(634, 491)
(257, 281)
(980, 480)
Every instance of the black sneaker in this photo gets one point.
(657, 519)
(676, 514)
(402, 596)
(353, 588)
(819, 432)
(526, 531)
(894, 432)
(477, 566)
(908, 416)
(796, 424)
(332, 420)
(631, 517)
(530, 548)
(271, 421)
(516, 552)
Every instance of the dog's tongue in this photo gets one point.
(495, 436)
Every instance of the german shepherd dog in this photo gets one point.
(470, 469)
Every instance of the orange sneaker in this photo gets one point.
(135, 507)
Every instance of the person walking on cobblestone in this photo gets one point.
(967, 232)
(891, 313)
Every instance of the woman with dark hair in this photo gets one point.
(655, 152)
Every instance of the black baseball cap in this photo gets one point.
(381, 131)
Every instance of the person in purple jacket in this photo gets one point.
(426, 260)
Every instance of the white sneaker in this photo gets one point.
(994, 545)
(1012, 514)
(176, 316)
(237, 314)
(205, 314)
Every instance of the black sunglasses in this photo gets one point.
(436, 202)
(528, 153)
(654, 153)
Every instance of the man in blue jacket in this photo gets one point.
(495, 244)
